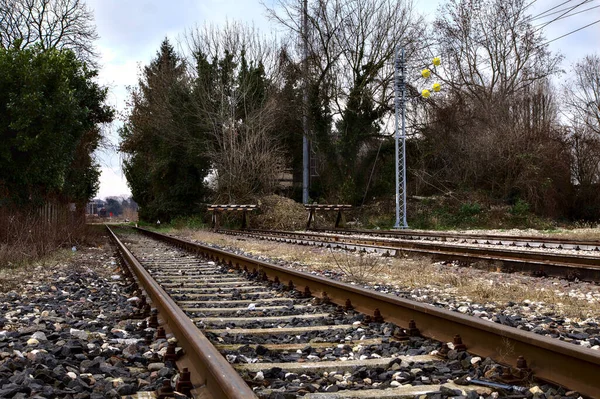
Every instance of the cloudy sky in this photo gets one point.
(131, 31)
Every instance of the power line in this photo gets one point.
(566, 12)
(542, 13)
(552, 13)
(578, 12)
(569, 33)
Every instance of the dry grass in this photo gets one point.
(12, 278)
(486, 286)
(361, 268)
(27, 236)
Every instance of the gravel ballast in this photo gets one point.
(70, 329)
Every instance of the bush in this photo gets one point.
(520, 208)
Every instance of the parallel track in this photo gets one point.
(552, 360)
(531, 241)
(584, 266)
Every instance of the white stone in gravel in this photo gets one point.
(475, 360)
(32, 342)
(463, 309)
(39, 335)
(148, 354)
(259, 376)
(126, 341)
(596, 347)
(252, 306)
(18, 353)
(155, 366)
(133, 299)
(356, 323)
(338, 377)
(72, 375)
(585, 344)
(367, 381)
(535, 390)
(363, 357)
(115, 277)
(395, 384)
(78, 333)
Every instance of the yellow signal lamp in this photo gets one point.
(437, 61)
(426, 93)
(437, 87)
(426, 73)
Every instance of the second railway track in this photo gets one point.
(289, 334)
(585, 265)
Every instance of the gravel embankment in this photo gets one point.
(70, 330)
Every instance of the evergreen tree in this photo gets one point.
(165, 173)
(50, 109)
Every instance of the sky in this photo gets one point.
(131, 32)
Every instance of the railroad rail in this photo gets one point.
(583, 266)
(188, 281)
(532, 241)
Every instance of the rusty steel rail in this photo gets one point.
(212, 376)
(583, 267)
(550, 359)
(479, 238)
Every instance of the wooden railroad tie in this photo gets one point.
(217, 209)
(312, 208)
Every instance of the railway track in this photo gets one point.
(247, 333)
(542, 242)
(538, 260)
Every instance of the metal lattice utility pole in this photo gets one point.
(400, 107)
(305, 159)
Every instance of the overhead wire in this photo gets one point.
(552, 13)
(578, 12)
(569, 33)
(561, 15)
(550, 9)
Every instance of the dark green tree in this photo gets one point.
(165, 173)
(50, 109)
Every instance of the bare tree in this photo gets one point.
(348, 39)
(582, 93)
(234, 105)
(491, 49)
(581, 99)
(67, 24)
